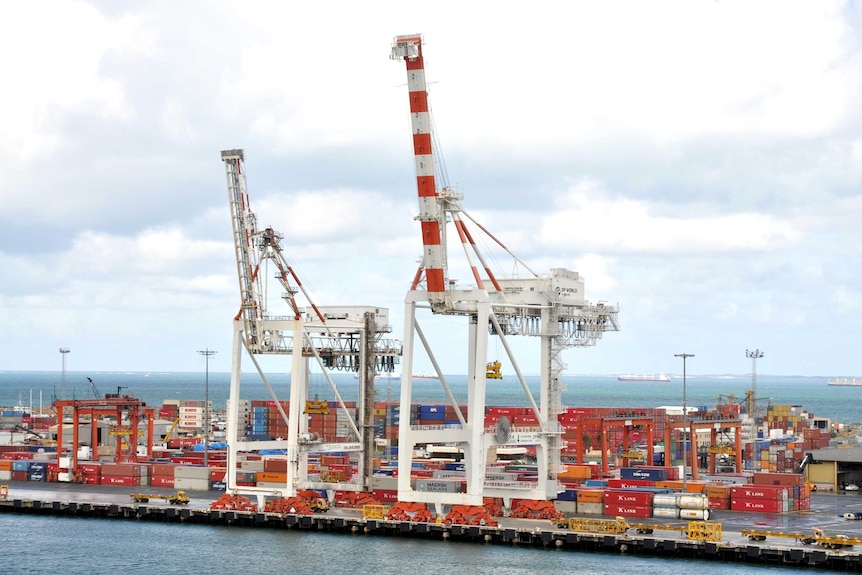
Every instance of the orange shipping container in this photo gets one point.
(6, 465)
(577, 472)
(272, 477)
(590, 496)
(717, 491)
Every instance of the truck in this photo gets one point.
(179, 498)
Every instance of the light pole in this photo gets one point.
(752, 398)
(63, 352)
(207, 353)
(684, 356)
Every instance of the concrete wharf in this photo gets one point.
(114, 503)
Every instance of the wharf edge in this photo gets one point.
(550, 538)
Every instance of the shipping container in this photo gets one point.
(631, 497)
(385, 495)
(650, 473)
(590, 496)
(759, 492)
(162, 481)
(758, 505)
(627, 510)
(591, 508)
(192, 484)
(630, 483)
(191, 472)
(126, 480)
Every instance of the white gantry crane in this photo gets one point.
(550, 307)
(349, 338)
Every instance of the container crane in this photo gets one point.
(346, 337)
(550, 307)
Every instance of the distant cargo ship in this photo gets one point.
(845, 382)
(644, 377)
(424, 375)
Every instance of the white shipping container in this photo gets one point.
(250, 465)
(384, 482)
(591, 508)
(192, 472)
(439, 485)
(565, 506)
(191, 484)
(5, 475)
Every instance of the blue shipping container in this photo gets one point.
(647, 473)
(568, 495)
(21, 465)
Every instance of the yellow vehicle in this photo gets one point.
(693, 530)
(4, 492)
(818, 537)
(372, 511)
(180, 498)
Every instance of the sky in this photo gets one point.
(698, 162)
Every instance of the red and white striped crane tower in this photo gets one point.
(551, 307)
(349, 337)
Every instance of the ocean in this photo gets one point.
(35, 389)
(94, 547)
(73, 546)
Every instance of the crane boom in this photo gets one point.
(431, 217)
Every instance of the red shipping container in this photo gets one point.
(789, 479)
(627, 483)
(120, 480)
(614, 509)
(757, 505)
(759, 492)
(275, 464)
(162, 481)
(719, 503)
(507, 411)
(164, 469)
(20, 476)
(90, 479)
(385, 495)
(121, 469)
(629, 497)
(218, 474)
